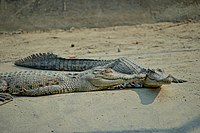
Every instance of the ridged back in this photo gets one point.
(123, 65)
(50, 61)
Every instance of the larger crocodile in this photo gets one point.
(50, 61)
(37, 83)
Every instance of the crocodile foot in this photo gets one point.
(5, 98)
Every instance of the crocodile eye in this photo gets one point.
(109, 70)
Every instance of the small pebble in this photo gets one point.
(72, 45)
(118, 49)
(71, 29)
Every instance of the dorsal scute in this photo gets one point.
(126, 66)
(37, 56)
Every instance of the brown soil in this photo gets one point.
(172, 47)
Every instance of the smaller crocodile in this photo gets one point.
(38, 83)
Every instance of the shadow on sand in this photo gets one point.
(147, 96)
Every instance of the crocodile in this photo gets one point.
(39, 82)
(50, 61)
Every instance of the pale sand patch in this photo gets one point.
(173, 108)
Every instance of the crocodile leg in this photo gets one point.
(46, 90)
(4, 97)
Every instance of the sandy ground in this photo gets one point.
(173, 108)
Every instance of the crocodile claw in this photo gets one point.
(178, 81)
(175, 80)
(5, 98)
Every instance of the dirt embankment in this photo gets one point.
(64, 14)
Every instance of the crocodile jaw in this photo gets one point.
(107, 77)
(156, 83)
(104, 83)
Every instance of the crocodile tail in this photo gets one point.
(50, 61)
(37, 61)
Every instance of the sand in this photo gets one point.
(174, 47)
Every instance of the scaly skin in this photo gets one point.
(38, 83)
(50, 61)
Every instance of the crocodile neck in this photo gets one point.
(77, 85)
